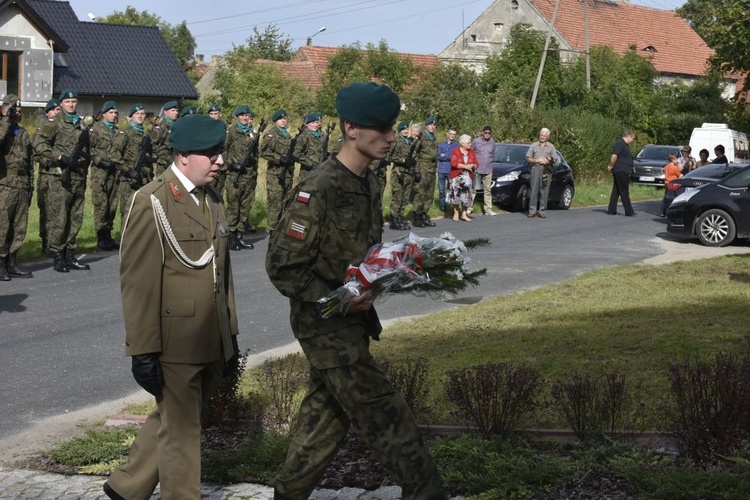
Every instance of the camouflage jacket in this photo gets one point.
(237, 144)
(15, 156)
(274, 145)
(126, 145)
(162, 150)
(427, 149)
(58, 138)
(102, 138)
(331, 221)
(399, 151)
(309, 148)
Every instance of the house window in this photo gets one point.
(473, 38)
(514, 5)
(497, 32)
(10, 71)
(650, 48)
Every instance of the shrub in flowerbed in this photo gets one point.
(409, 378)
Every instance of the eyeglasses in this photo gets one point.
(213, 155)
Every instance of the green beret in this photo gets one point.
(313, 117)
(242, 110)
(195, 133)
(368, 104)
(214, 107)
(136, 108)
(10, 99)
(51, 104)
(278, 115)
(430, 120)
(188, 110)
(107, 106)
(402, 126)
(170, 105)
(69, 93)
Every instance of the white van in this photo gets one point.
(710, 135)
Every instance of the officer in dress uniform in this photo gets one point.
(179, 309)
(274, 147)
(105, 175)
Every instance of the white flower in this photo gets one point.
(447, 236)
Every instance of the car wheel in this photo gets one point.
(522, 199)
(715, 228)
(566, 198)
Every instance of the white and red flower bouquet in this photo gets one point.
(412, 264)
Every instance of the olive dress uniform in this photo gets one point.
(240, 186)
(402, 179)
(425, 155)
(105, 182)
(127, 145)
(273, 147)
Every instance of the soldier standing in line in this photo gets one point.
(425, 155)
(105, 177)
(160, 136)
(188, 110)
(127, 146)
(51, 110)
(16, 185)
(240, 189)
(309, 147)
(401, 177)
(333, 219)
(214, 112)
(58, 148)
(274, 147)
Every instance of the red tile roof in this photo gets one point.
(677, 47)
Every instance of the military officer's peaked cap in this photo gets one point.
(278, 115)
(107, 106)
(195, 133)
(69, 93)
(136, 108)
(214, 107)
(170, 105)
(313, 117)
(368, 104)
(402, 126)
(243, 109)
(188, 110)
(52, 104)
(430, 120)
(10, 99)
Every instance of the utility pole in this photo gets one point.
(544, 55)
(588, 51)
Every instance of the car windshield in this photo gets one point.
(657, 152)
(718, 171)
(510, 153)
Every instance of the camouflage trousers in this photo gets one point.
(424, 191)
(14, 217)
(104, 197)
(240, 199)
(126, 192)
(65, 215)
(401, 189)
(278, 190)
(347, 387)
(42, 187)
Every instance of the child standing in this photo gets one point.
(672, 171)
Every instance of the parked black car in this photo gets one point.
(648, 164)
(716, 213)
(698, 177)
(510, 179)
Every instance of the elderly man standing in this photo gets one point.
(178, 304)
(541, 155)
(484, 147)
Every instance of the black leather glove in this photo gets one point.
(67, 161)
(147, 372)
(417, 177)
(132, 174)
(235, 167)
(231, 365)
(106, 165)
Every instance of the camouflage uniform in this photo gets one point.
(275, 146)
(105, 177)
(15, 184)
(308, 149)
(42, 188)
(65, 215)
(333, 219)
(240, 199)
(127, 146)
(163, 153)
(425, 154)
(401, 176)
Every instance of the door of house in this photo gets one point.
(10, 73)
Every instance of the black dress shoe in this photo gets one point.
(72, 263)
(242, 242)
(111, 493)
(611, 213)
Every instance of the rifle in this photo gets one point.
(136, 174)
(324, 151)
(68, 163)
(411, 162)
(381, 165)
(287, 160)
(251, 155)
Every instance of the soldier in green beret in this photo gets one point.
(16, 181)
(425, 155)
(334, 217)
(274, 147)
(105, 175)
(401, 177)
(160, 136)
(59, 150)
(51, 110)
(242, 179)
(214, 111)
(188, 110)
(179, 309)
(131, 146)
(309, 146)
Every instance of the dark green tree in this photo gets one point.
(269, 44)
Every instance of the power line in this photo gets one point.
(306, 2)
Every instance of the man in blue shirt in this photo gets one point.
(445, 149)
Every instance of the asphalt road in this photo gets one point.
(61, 335)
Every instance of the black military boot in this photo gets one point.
(242, 242)
(102, 242)
(45, 247)
(114, 244)
(59, 263)
(233, 243)
(4, 276)
(395, 223)
(426, 220)
(14, 270)
(72, 263)
(249, 228)
(417, 220)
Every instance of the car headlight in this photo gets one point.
(510, 176)
(684, 197)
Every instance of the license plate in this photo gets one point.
(648, 179)
(689, 189)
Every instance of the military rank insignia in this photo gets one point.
(175, 191)
(303, 197)
(297, 230)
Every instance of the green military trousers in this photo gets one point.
(240, 195)
(104, 197)
(65, 215)
(424, 191)
(401, 189)
(278, 189)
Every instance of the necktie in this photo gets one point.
(201, 195)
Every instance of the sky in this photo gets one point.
(414, 26)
